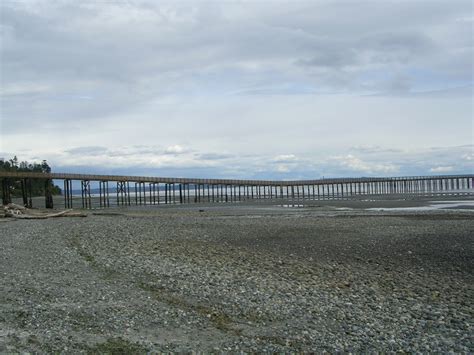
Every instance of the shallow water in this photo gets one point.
(434, 205)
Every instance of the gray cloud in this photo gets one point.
(368, 149)
(97, 150)
(337, 58)
(214, 156)
(240, 78)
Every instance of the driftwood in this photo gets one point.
(14, 206)
(20, 212)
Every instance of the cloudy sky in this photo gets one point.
(244, 89)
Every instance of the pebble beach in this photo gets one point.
(247, 278)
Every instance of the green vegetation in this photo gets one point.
(37, 186)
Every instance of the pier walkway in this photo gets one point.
(88, 191)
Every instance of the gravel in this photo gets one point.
(252, 279)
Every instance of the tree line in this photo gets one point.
(37, 186)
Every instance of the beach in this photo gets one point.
(353, 276)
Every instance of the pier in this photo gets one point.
(102, 191)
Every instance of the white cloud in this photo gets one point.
(442, 169)
(468, 156)
(356, 164)
(285, 158)
(153, 160)
(176, 149)
(24, 88)
(281, 168)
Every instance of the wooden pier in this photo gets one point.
(103, 191)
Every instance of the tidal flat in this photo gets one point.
(331, 276)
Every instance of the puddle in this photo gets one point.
(434, 205)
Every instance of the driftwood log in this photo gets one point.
(20, 212)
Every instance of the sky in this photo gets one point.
(239, 89)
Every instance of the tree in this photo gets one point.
(14, 161)
(37, 186)
(45, 168)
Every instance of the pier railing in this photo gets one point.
(88, 191)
